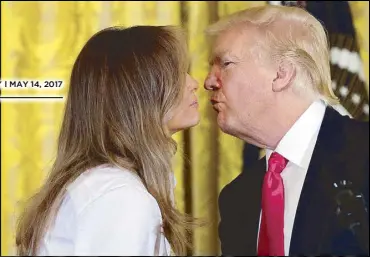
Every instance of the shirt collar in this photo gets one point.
(298, 142)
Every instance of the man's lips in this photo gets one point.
(215, 105)
(214, 101)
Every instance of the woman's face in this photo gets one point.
(186, 114)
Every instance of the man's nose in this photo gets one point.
(211, 83)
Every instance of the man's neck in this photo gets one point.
(286, 115)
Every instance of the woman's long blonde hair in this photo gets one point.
(123, 84)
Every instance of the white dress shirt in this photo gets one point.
(106, 211)
(297, 146)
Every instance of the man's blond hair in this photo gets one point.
(293, 35)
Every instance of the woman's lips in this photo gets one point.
(195, 103)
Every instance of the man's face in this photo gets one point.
(240, 84)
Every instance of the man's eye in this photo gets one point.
(226, 63)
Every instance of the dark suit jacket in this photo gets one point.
(341, 153)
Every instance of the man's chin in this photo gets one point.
(223, 124)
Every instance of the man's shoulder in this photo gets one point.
(358, 130)
(344, 148)
(359, 133)
(240, 184)
(355, 148)
(353, 124)
(344, 132)
(229, 188)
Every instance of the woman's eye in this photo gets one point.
(226, 63)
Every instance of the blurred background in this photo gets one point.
(40, 40)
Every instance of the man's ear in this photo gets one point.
(285, 74)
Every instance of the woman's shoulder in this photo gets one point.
(107, 181)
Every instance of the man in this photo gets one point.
(270, 83)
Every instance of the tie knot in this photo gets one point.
(277, 163)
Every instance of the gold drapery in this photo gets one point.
(40, 40)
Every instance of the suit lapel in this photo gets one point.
(248, 212)
(316, 206)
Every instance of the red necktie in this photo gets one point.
(271, 235)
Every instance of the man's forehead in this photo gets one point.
(231, 42)
(220, 52)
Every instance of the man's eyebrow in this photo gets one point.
(212, 59)
(217, 55)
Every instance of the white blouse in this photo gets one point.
(106, 211)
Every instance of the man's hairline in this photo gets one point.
(241, 28)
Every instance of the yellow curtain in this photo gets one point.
(360, 14)
(40, 40)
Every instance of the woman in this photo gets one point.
(110, 188)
